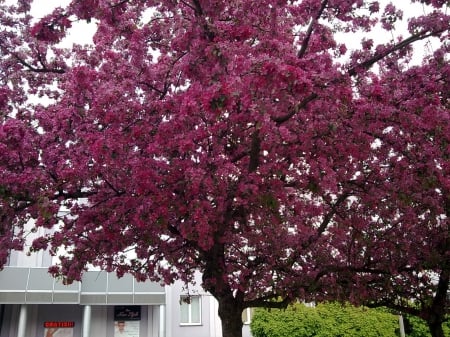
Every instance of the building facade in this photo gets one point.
(33, 304)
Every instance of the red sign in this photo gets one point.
(59, 324)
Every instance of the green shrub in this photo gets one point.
(334, 320)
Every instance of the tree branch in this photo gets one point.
(254, 151)
(392, 304)
(330, 215)
(197, 7)
(37, 70)
(326, 220)
(189, 5)
(440, 297)
(198, 10)
(310, 30)
(162, 93)
(294, 110)
(74, 195)
(328, 269)
(239, 156)
(353, 71)
(268, 302)
(118, 192)
(120, 3)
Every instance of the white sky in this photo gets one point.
(82, 32)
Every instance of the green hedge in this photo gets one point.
(333, 320)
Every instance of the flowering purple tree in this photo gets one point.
(237, 138)
(397, 249)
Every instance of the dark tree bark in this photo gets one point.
(230, 313)
(436, 314)
(436, 329)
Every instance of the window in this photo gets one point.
(190, 310)
(247, 315)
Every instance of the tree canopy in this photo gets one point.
(244, 139)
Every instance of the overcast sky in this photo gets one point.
(81, 32)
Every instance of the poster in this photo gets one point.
(58, 332)
(127, 313)
(126, 328)
(126, 320)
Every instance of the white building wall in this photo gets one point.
(211, 325)
(153, 324)
(173, 319)
(216, 324)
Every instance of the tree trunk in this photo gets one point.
(436, 313)
(436, 329)
(230, 313)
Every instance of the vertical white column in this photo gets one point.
(21, 329)
(167, 310)
(401, 326)
(162, 320)
(86, 321)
